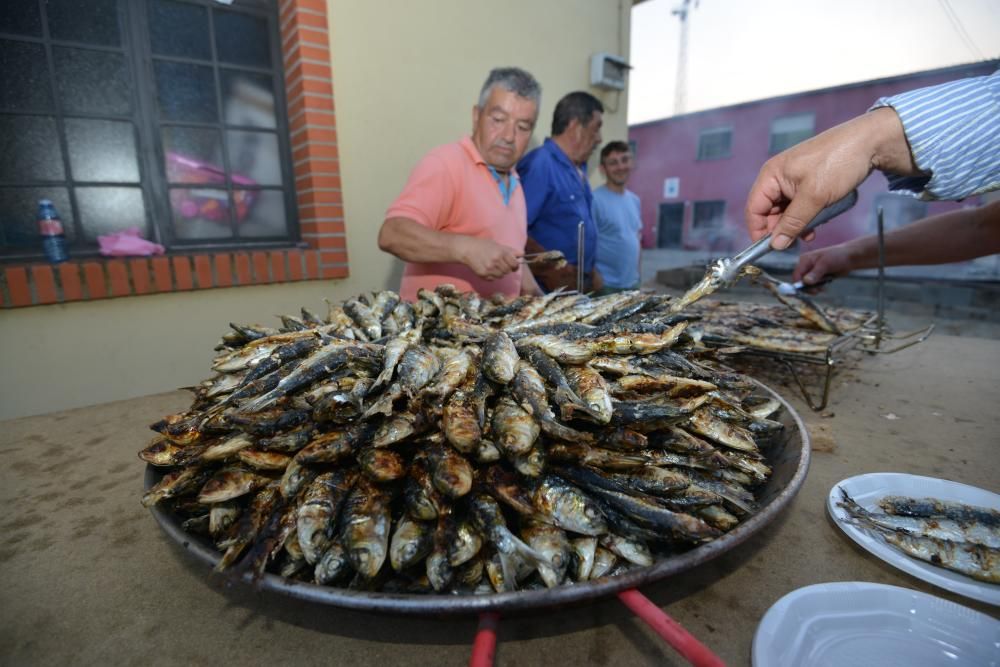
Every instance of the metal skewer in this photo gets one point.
(579, 257)
(881, 279)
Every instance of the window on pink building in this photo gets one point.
(715, 143)
(790, 130)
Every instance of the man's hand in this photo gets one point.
(487, 259)
(955, 236)
(818, 264)
(795, 185)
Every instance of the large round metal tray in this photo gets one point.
(788, 455)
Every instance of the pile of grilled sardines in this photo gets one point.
(458, 444)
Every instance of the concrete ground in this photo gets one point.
(87, 577)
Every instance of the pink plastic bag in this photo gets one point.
(128, 243)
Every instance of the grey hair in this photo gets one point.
(514, 79)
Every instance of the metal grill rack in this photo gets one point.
(874, 336)
(870, 338)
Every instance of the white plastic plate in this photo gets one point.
(858, 624)
(868, 489)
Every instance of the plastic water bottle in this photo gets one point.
(51, 229)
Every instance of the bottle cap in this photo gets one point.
(45, 202)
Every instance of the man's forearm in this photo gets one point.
(950, 131)
(955, 236)
(890, 149)
(412, 242)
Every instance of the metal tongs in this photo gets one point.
(726, 271)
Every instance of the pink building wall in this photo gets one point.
(668, 148)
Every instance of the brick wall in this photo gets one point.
(305, 47)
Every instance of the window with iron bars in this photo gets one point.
(166, 115)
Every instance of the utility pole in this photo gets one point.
(680, 86)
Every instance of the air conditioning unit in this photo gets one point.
(608, 71)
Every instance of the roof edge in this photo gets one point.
(816, 91)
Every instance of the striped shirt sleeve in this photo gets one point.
(954, 135)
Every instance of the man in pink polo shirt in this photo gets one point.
(461, 217)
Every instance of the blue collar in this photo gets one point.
(505, 190)
(554, 148)
(561, 156)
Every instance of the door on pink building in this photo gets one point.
(670, 226)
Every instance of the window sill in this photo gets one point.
(40, 283)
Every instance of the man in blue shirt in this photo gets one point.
(619, 223)
(554, 179)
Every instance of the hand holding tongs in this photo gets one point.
(726, 271)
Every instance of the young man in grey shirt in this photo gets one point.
(619, 225)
